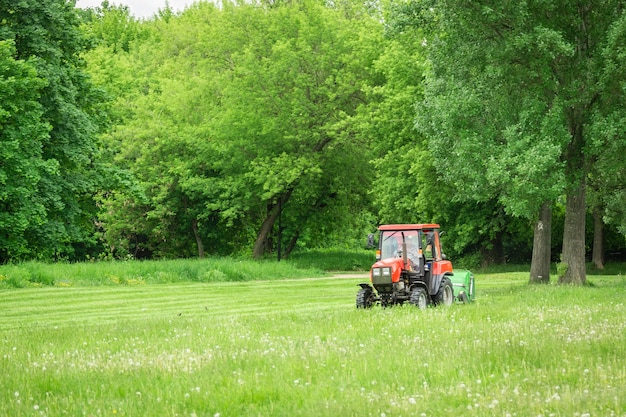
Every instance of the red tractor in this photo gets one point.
(410, 266)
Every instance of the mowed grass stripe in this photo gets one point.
(109, 304)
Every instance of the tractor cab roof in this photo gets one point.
(397, 227)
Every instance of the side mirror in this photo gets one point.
(370, 241)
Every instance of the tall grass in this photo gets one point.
(300, 348)
(335, 259)
(149, 272)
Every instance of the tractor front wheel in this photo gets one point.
(419, 298)
(364, 298)
(445, 296)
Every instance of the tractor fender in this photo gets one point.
(438, 271)
(365, 286)
(419, 284)
(435, 282)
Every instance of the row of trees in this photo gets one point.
(257, 127)
(531, 92)
(232, 118)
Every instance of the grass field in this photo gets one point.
(300, 348)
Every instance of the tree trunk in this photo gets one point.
(542, 242)
(598, 240)
(574, 237)
(292, 244)
(262, 239)
(194, 227)
(261, 245)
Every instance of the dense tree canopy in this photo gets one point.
(239, 115)
(22, 133)
(263, 127)
(513, 101)
(50, 117)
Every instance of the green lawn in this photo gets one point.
(300, 348)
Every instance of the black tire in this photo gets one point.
(419, 298)
(463, 298)
(445, 295)
(364, 298)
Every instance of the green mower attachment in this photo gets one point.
(463, 285)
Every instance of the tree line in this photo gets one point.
(257, 127)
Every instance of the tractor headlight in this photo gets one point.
(386, 272)
(376, 272)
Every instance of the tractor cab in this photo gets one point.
(410, 266)
(416, 245)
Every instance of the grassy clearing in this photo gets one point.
(300, 348)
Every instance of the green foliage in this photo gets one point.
(253, 109)
(22, 133)
(51, 115)
(152, 272)
(496, 123)
(561, 268)
(512, 98)
(249, 126)
(112, 26)
(334, 259)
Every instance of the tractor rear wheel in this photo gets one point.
(445, 295)
(364, 298)
(419, 298)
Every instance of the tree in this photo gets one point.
(22, 133)
(46, 36)
(235, 117)
(510, 101)
(291, 97)
(408, 186)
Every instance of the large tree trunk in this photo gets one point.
(574, 237)
(598, 240)
(542, 242)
